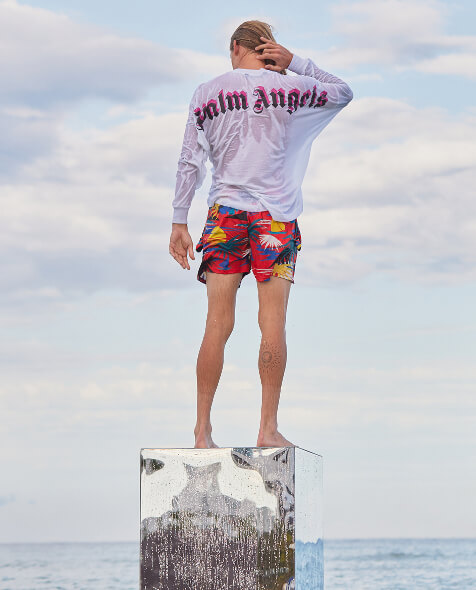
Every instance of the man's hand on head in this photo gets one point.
(181, 244)
(279, 54)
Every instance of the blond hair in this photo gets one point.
(248, 35)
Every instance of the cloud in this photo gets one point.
(26, 134)
(402, 34)
(393, 195)
(203, 66)
(48, 60)
(387, 189)
(458, 64)
(92, 214)
(50, 63)
(417, 396)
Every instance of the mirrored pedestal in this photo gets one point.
(231, 519)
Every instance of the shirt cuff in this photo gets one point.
(180, 215)
(298, 65)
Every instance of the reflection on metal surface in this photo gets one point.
(230, 519)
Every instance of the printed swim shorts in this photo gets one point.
(234, 240)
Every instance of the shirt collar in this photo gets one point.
(252, 72)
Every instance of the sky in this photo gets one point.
(100, 327)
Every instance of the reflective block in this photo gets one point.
(231, 519)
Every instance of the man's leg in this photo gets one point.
(273, 300)
(221, 292)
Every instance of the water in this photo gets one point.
(400, 564)
(387, 564)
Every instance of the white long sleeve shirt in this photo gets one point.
(257, 128)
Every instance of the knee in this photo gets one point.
(221, 324)
(272, 322)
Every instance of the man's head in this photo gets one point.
(243, 42)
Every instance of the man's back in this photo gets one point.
(257, 127)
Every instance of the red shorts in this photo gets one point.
(234, 240)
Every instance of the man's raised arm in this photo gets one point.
(338, 91)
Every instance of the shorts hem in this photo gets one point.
(224, 272)
(274, 274)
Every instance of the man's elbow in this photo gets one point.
(187, 163)
(348, 94)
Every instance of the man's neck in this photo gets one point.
(250, 65)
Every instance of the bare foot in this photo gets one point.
(273, 439)
(203, 440)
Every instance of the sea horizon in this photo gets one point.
(462, 538)
(443, 563)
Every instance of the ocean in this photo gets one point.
(377, 564)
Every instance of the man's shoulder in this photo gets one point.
(218, 80)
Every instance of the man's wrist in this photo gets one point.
(180, 215)
(297, 64)
(179, 225)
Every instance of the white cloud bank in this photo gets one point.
(393, 195)
(50, 63)
(392, 191)
(401, 34)
(387, 190)
(48, 59)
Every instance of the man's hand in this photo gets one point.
(181, 244)
(279, 54)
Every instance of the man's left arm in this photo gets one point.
(191, 172)
(191, 169)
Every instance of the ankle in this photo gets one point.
(268, 428)
(202, 430)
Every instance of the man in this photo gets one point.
(257, 125)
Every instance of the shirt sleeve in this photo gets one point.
(338, 91)
(191, 170)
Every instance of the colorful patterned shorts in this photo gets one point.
(234, 240)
